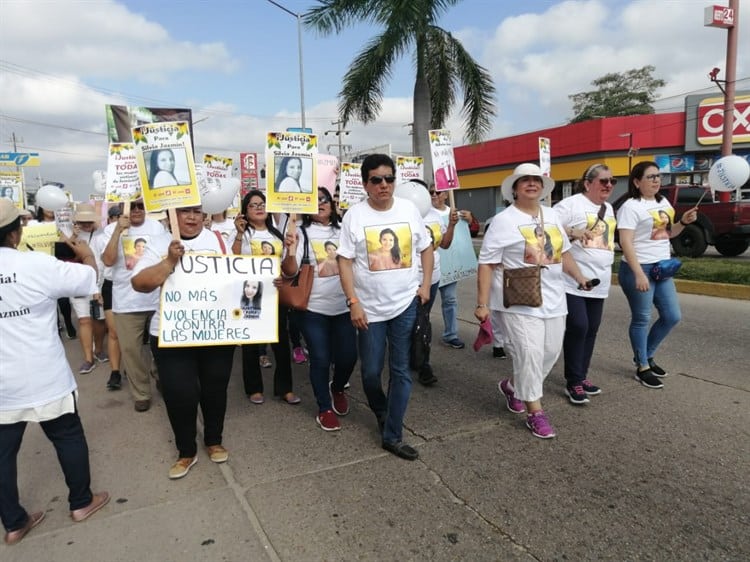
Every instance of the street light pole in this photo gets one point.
(299, 48)
(630, 150)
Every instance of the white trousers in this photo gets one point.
(497, 332)
(534, 344)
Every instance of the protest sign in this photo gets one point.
(458, 261)
(39, 237)
(123, 180)
(545, 156)
(11, 187)
(443, 161)
(409, 168)
(165, 166)
(122, 119)
(292, 175)
(328, 171)
(248, 172)
(351, 190)
(218, 299)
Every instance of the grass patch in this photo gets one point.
(707, 268)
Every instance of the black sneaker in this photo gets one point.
(498, 352)
(589, 388)
(115, 381)
(576, 394)
(426, 376)
(647, 379)
(658, 371)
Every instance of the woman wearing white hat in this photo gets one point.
(533, 335)
(91, 328)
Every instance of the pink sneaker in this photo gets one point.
(513, 403)
(539, 425)
(298, 354)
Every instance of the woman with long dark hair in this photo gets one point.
(642, 249)
(388, 255)
(255, 226)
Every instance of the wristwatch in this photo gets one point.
(351, 301)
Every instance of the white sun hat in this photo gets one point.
(548, 184)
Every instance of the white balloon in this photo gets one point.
(416, 193)
(728, 173)
(100, 181)
(51, 198)
(220, 198)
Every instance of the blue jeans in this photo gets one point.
(449, 304)
(66, 434)
(581, 327)
(428, 306)
(662, 295)
(330, 339)
(390, 408)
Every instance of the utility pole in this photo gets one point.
(338, 132)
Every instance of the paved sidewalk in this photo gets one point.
(636, 474)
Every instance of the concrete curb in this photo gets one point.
(723, 290)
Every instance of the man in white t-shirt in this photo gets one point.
(126, 242)
(382, 239)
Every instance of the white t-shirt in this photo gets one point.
(97, 244)
(651, 223)
(435, 230)
(225, 228)
(512, 242)
(137, 239)
(327, 297)
(385, 247)
(594, 257)
(259, 243)
(205, 243)
(33, 368)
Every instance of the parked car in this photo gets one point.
(724, 225)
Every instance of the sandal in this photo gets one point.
(292, 398)
(257, 398)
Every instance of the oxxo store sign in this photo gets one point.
(704, 122)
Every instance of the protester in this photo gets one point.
(132, 310)
(113, 344)
(581, 216)
(91, 330)
(325, 324)
(193, 375)
(642, 249)
(383, 304)
(533, 335)
(35, 377)
(448, 300)
(254, 226)
(441, 236)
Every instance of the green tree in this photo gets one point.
(442, 66)
(627, 93)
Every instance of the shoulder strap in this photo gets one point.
(306, 254)
(221, 241)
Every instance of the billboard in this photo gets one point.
(704, 122)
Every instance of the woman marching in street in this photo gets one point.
(533, 335)
(642, 248)
(326, 324)
(589, 222)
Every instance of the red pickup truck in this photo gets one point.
(724, 225)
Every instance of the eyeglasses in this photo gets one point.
(137, 207)
(652, 177)
(610, 181)
(377, 180)
(256, 206)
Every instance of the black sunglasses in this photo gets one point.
(377, 180)
(605, 181)
(137, 207)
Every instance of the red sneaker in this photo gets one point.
(328, 421)
(339, 400)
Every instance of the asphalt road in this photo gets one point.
(637, 474)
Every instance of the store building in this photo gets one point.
(683, 143)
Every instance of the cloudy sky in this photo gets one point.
(235, 63)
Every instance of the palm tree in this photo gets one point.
(442, 64)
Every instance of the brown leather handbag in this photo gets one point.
(295, 292)
(522, 286)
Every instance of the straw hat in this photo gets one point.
(8, 212)
(85, 213)
(548, 184)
